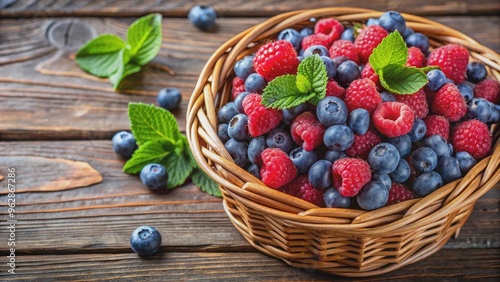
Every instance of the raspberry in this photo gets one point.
(415, 58)
(399, 193)
(452, 59)
(416, 101)
(333, 88)
(363, 144)
(307, 131)
(362, 93)
(393, 119)
(315, 39)
(350, 175)
(344, 48)
(300, 187)
(330, 27)
(473, 137)
(368, 39)
(238, 87)
(276, 58)
(260, 119)
(369, 72)
(488, 89)
(449, 103)
(437, 125)
(277, 168)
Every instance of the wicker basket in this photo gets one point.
(344, 242)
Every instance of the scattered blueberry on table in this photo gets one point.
(145, 240)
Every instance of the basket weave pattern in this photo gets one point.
(344, 242)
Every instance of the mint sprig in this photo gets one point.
(160, 141)
(308, 85)
(111, 57)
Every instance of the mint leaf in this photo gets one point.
(144, 38)
(179, 168)
(314, 69)
(205, 183)
(282, 93)
(101, 56)
(123, 70)
(429, 68)
(303, 84)
(392, 50)
(400, 79)
(150, 152)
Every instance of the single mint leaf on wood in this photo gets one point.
(401, 79)
(392, 50)
(149, 122)
(313, 68)
(122, 72)
(144, 38)
(205, 183)
(178, 167)
(150, 152)
(282, 92)
(101, 56)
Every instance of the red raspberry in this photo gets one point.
(362, 93)
(449, 103)
(276, 58)
(344, 48)
(277, 168)
(260, 119)
(315, 39)
(350, 175)
(415, 57)
(363, 144)
(488, 89)
(417, 102)
(330, 27)
(368, 39)
(333, 88)
(399, 193)
(306, 130)
(369, 72)
(393, 119)
(238, 87)
(300, 187)
(473, 137)
(452, 59)
(437, 125)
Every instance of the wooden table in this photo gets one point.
(75, 209)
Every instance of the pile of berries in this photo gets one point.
(360, 146)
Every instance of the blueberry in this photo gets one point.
(291, 113)
(392, 21)
(466, 91)
(244, 67)
(222, 132)
(427, 183)
(238, 151)
(387, 97)
(384, 158)
(333, 199)
(238, 128)
(331, 110)
(408, 32)
(292, 36)
(303, 159)
(306, 31)
(238, 102)
(202, 17)
(448, 168)
(359, 121)
(372, 21)
(145, 240)
(347, 72)
(465, 161)
(154, 176)
(483, 110)
(436, 79)
(338, 60)
(226, 113)
(255, 83)
(320, 174)
(338, 137)
(332, 155)
(382, 178)
(331, 67)
(255, 148)
(418, 130)
(476, 72)
(423, 159)
(169, 98)
(124, 144)
(316, 49)
(418, 40)
(254, 170)
(402, 144)
(281, 139)
(372, 196)
(348, 34)
(402, 172)
(438, 144)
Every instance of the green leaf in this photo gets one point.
(392, 50)
(150, 152)
(179, 168)
(205, 183)
(144, 38)
(282, 93)
(123, 70)
(303, 84)
(314, 69)
(149, 122)
(400, 79)
(102, 55)
(429, 68)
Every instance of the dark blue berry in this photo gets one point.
(281, 139)
(226, 113)
(331, 110)
(483, 110)
(333, 199)
(306, 31)
(292, 36)
(254, 170)
(466, 91)
(238, 128)
(320, 174)
(439, 145)
(476, 72)
(427, 183)
(392, 21)
(145, 240)
(408, 32)
(418, 130)
(383, 158)
(347, 72)
(359, 121)
(348, 34)
(255, 148)
(338, 137)
(448, 168)
(303, 159)
(222, 132)
(244, 67)
(238, 151)
(255, 83)
(332, 155)
(238, 102)
(418, 40)
(154, 176)
(424, 159)
(202, 17)
(402, 144)
(372, 21)
(338, 60)
(169, 98)
(316, 49)
(436, 79)
(382, 178)
(387, 97)
(402, 172)
(124, 144)
(372, 196)
(291, 113)
(465, 161)
(331, 67)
